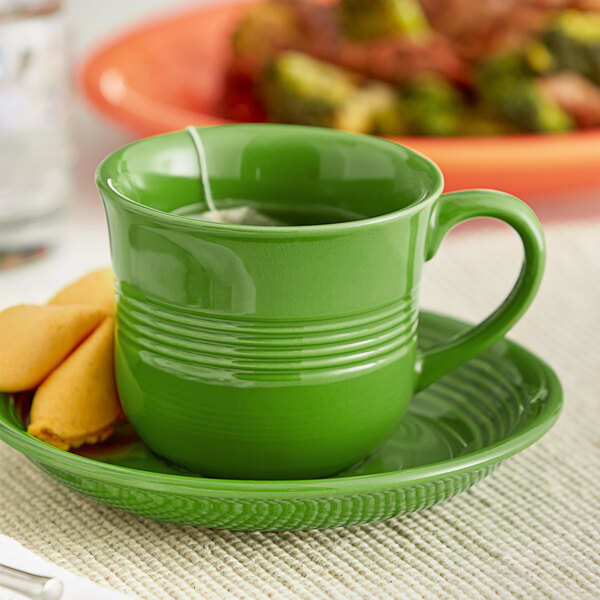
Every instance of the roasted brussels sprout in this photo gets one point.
(538, 59)
(433, 106)
(266, 30)
(391, 120)
(576, 95)
(501, 70)
(509, 89)
(299, 89)
(529, 108)
(375, 19)
(574, 40)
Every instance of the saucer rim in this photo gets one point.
(39, 451)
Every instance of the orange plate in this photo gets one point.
(168, 73)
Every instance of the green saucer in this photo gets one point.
(454, 434)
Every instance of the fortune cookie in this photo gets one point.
(78, 402)
(96, 288)
(35, 339)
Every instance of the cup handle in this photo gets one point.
(450, 210)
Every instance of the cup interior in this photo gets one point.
(286, 171)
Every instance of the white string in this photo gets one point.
(203, 168)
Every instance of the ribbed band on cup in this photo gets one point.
(268, 346)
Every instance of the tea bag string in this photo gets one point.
(201, 154)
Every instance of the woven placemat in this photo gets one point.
(531, 530)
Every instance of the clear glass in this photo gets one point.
(35, 141)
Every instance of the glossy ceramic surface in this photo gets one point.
(454, 434)
(287, 352)
(168, 73)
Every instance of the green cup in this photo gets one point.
(284, 352)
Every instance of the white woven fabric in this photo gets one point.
(531, 530)
(12, 554)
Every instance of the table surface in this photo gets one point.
(531, 530)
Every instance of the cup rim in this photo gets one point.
(105, 183)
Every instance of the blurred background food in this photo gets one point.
(419, 67)
(425, 73)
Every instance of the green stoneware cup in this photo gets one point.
(284, 352)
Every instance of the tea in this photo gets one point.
(241, 212)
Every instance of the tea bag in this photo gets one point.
(239, 215)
